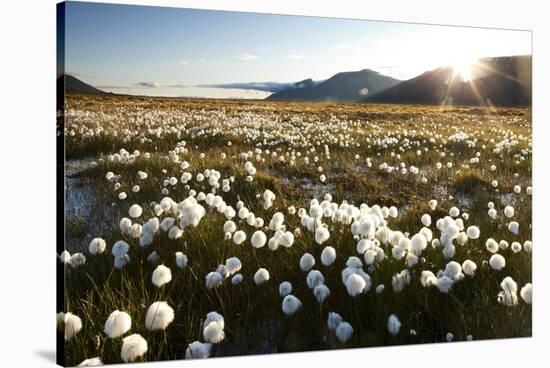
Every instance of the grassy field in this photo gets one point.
(360, 171)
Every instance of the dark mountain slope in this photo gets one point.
(502, 81)
(345, 86)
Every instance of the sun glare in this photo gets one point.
(463, 68)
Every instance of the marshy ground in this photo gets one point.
(365, 166)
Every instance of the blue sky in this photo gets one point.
(171, 51)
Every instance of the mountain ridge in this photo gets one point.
(499, 81)
(70, 84)
(349, 86)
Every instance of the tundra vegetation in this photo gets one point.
(204, 228)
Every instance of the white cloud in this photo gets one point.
(184, 62)
(295, 56)
(247, 57)
(342, 46)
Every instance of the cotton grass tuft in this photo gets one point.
(290, 305)
(344, 332)
(97, 246)
(117, 324)
(261, 276)
(393, 325)
(159, 316)
(133, 347)
(161, 275)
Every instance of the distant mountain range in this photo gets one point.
(345, 86)
(501, 81)
(74, 85)
(256, 86)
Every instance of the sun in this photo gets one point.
(463, 68)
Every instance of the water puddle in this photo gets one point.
(87, 212)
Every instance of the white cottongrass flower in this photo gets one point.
(328, 256)
(321, 235)
(491, 245)
(120, 248)
(307, 262)
(449, 337)
(258, 239)
(72, 324)
(233, 265)
(398, 252)
(473, 232)
(527, 293)
(92, 362)
(503, 244)
(497, 262)
(213, 332)
(121, 261)
(426, 219)
(454, 271)
(411, 260)
(133, 347)
(444, 284)
(135, 211)
(513, 227)
(65, 257)
(161, 275)
(321, 292)
(239, 237)
(528, 246)
(159, 316)
(427, 278)
(516, 247)
(344, 332)
(354, 262)
(268, 197)
(97, 246)
(393, 325)
(237, 279)
(469, 267)
(355, 284)
(314, 278)
(229, 227)
(285, 239)
(400, 280)
(433, 204)
(277, 221)
(509, 211)
(167, 223)
(333, 321)
(363, 245)
(198, 350)
(508, 295)
(418, 243)
(175, 232)
(213, 280)
(285, 288)
(261, 276)
(117, 324)
(290, 305)
(214, 317)
(181, 260)
(454, 212)
(77, 260)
